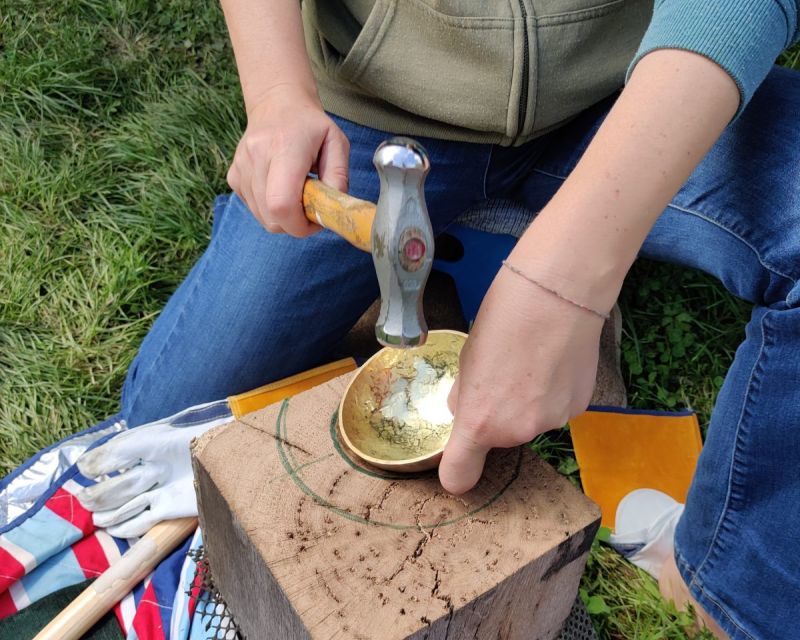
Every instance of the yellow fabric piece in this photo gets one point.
(259, 398)
(618, 452)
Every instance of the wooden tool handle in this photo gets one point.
(118, 580)
(350, 217)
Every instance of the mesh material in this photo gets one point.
(218, 619)
(578, 625)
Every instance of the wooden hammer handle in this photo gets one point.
(347, 216)
(118, 580)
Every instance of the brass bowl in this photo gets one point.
(374, 420)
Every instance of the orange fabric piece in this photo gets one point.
(259, 398)
(619, 451)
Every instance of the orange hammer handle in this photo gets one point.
(345, 215)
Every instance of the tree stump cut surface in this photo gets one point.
(306, 542)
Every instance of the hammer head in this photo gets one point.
(402, 242)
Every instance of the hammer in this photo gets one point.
(397, 232)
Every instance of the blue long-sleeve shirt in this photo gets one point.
(742, 36)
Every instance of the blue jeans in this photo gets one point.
(258, 307)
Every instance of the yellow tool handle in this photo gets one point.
(345, 215)
(116, 581)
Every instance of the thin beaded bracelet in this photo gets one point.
(513, 269)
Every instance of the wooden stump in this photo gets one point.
(304, 542)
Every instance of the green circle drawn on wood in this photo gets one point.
(293, 471)
(376, 473)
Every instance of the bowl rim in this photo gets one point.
(380, 462)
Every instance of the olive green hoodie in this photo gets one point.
(481, 71)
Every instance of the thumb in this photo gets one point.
(462, 461)
(334, 157)
(115, 492)
(452, 397)
(105, 519)
(122, 451)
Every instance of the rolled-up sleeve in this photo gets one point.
(744, 37)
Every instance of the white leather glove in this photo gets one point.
(154, 481)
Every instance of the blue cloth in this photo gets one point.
(258, 307)
(742, 36)
(50, 543)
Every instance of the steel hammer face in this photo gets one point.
(402, 242)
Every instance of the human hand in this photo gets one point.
(288, 134)
(155, 480)
(529, 365)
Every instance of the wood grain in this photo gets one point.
(305, 543)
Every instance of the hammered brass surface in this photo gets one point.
(359, 415)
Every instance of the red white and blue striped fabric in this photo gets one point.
(48, 541)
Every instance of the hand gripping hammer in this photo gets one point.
(397, 232)
(399, 235)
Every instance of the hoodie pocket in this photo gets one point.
(583, 56)
(457, 69)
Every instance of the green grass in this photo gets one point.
(117, 119)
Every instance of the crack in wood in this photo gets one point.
(449, 620)
(389, 488)
(421, 546)
(478, 626)
(445, 598)
(570, 550)
(412, 557)
(418, 516)
(288, 443)
(274, 436)
(420, 504)
(321, 580)
(336, 481)
(436, 582)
